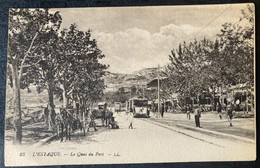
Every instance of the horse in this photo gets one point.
(108, 117)
(64, 124)
(67, 122)
(92, 123)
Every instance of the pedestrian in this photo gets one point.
(103, 116)
(197, 116)
(219, 110)
(230, 109)
(130, 120)
(162, 112)
(148, 112)
(92, 123)
(188, 111)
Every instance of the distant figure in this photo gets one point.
(148, 111)
(92, 123)
(219, 110)
(154, 110)
(108, 117)
(130, 120)
(103, 116)
(112, 123)
(187, 108)
(162, 112)
(230, 113)
(197, 113)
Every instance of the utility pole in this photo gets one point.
(158, 76)
(143, 90)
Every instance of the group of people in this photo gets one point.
(197, 112)
(230, 109)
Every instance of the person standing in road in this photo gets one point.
(188, 110)
(103, 116)
(92, 123)
(219, 110)
(130, 120)
(197, 116)
(230, 113)
(162, 112)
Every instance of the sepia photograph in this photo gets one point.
(119, 85)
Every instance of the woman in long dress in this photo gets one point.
(130, 120)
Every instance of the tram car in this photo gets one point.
(139, 107)
(117, 106)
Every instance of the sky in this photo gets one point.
(133, 38)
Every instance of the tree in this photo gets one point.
(187, 71)
(198, 66)
(81, 72)
(133, 91)
(121, 95)
(25, 28)
(236, 50)
(48, 69)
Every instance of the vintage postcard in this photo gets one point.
(122, 85)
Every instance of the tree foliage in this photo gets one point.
(66, 63)
(188, 64)
(81, 72)
(26, 28)
(202, 66)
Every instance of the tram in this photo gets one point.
(118, 107)
(138, 106)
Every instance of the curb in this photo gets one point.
(206, 131)
(184, 132)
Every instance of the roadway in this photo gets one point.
(149, 142)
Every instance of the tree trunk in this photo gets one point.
(74, 103)
(51, 109)
(246, 101)
(198, 98)
(84, 119)
(17, 105)
(164, 105)
(213, 99)
(221, 96)
(64, 96)
(252, 101)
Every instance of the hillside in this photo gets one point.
(114, 81)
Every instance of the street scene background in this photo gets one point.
(130, 85)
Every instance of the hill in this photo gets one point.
(114, 81)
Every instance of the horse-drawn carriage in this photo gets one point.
(107, 117)
(69, 120)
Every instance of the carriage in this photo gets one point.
(107, 116)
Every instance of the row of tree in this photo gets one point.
(122, 95)
(203, 66)
(65, 62)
